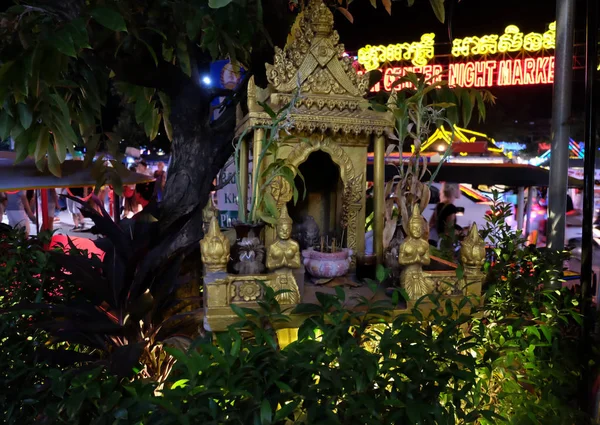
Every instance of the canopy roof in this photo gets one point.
(25, 175)
(517, 175)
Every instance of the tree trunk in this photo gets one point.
(200, 149)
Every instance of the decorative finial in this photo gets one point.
(472, 251)
(284, 217)
(215, 248)
(416, 214)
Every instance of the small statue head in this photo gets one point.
(284, 224)
(415, 224)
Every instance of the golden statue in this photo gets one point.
(283, 255)
(214, 248)
(413, 254)
(472, 251)
(284, 252)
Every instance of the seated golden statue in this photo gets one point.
(413, 254)
(284, 252)
(472, 250)
(214, 248)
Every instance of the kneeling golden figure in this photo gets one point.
(414, 253)
(283, 255)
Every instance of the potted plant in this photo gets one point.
(262, 208)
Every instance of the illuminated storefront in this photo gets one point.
(494, 60)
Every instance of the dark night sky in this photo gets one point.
(469, 17)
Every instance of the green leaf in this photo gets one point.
(61, 149)
(24, 115)
(183, 57)
(109, 18)
(168, 127)
(438, 9)
(6, 124)
(217, 4)
(151, 51)
(78, 31)
(238, 311)
(180, 384)
(268, 110)
(54, 162)
(237, 345)
(266, 413)
(41, 147)
(22, 148)
(547, 333)
(270, 204)
(286, 410)
(62, 41)
(155, 124)
(142, 109)
(380, 273)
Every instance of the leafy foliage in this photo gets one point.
(115, 318)
(262, 204)
(58, 63)
(446, 361)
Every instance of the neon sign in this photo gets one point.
(479, 74)
(513, 40)
(419, 53)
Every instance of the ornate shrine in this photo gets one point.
(331, 133)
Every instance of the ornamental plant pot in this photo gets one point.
(327, 264)
(248, 251)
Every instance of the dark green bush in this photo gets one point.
(513, 359)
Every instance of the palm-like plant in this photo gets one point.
(117, 318)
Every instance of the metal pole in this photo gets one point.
(257, 147)
(520, 208)
(378, 197)
(590, 150)
(530, 191)
(561, 112)
(588, 194)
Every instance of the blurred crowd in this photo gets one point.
(23, 208)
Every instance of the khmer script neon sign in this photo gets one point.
(506, 60)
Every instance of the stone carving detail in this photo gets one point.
(248, 290)
(314, 58)
(281, 190)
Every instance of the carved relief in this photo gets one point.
(315, 59)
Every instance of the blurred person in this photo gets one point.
(442, 224)
(19, 211)
(73, 208)
(130, 206)
(2, 204)
(160, 176)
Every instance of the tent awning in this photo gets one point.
(26, 176)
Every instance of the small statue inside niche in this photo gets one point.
(307, 233)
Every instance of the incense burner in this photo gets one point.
(327, 264)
